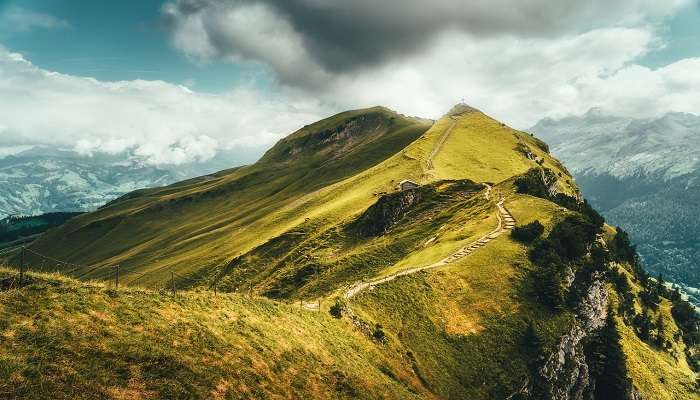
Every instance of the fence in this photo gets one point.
(77, 271)
(117, 272)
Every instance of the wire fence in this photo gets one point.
(109, 273)
(115, 274)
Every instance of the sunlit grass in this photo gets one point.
(67, 340)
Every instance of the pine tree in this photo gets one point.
(548, 283)
(660, 286)
(643, 324)
(660, 330)
(610, 371)
(532, 340)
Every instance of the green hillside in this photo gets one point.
(424, 293)
(202, 225)
(62, 339)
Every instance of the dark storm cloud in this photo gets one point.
(346, 35)
(342, 36)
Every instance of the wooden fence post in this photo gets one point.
(21, 268)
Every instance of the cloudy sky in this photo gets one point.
(179, 80)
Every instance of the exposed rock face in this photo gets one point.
(540, 182)
(569, 278)
(388, 211)
(550, 181)
(332, 142)
(566, 370)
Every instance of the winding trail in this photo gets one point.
(441, 142)
(505, 222)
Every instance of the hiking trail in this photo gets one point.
(505, 223)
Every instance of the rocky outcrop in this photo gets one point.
(334, 141)
(549, 179)
(566, 371)
(539, 182)
(388, 211)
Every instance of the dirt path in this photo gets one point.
(440, 143)
(505, 223)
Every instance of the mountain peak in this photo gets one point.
(460, 109)
(340, 134)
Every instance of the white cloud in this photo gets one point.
(307, 42)
(518, 63)
(21, 20)
(516, 80)
(520, 81)
(641, 92)
(161, 122)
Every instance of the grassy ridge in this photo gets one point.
(463, 323)
(62, 339)
(283, 228)
(198, 227)
(205, 223)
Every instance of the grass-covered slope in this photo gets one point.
(315, 180)
(62, 339)
(455, 332)
(463, 324)
(205, 222)
(314, 218)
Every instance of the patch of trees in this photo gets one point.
(13, 228)
(648, 328)
(533, 344)
(622, 249)
(558, 256)
(531, 183)
(687, 320)
(606, 361)
(625, 306)
(528, 233)
(648, 324)
(652, 329)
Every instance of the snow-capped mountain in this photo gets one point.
(623, 147)
(644, 175)
(41, 180)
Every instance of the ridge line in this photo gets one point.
(440, 143)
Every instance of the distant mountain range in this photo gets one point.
(42, 180)
(643, 175)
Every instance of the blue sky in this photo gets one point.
(178, 81)
(125, 40)
(682, 37)
(116, 40)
